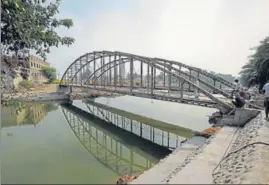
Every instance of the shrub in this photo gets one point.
(55, 81)
(50, 73)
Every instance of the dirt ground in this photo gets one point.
(50, 88)
(45, 88)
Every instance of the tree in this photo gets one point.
(249, 73)
(31, 24)
(256, 71)
(49, 72)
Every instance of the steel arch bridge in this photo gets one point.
(135, 75)
(108, 150)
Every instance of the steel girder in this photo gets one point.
(89, 57)
(103, 65)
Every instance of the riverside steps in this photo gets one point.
(234, 155)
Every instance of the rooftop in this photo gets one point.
(36, 58)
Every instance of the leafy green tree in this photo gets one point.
(31, 24)
(256, 71)
(49, 72)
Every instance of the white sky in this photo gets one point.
(212, 34)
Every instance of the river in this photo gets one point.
(92, 142)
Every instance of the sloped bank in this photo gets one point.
(179, 158)
(248, 159)
(36, 96)
(233, 155)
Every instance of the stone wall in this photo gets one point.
(65, 89)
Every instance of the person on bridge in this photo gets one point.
(239, 100)
(237, 87)
(266, 99)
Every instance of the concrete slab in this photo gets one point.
(165, 167)
(159, 172)
(200, 169)
(241, 117)
(64, 89)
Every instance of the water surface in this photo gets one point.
(42, 148)
(188, 116)
(48, 143)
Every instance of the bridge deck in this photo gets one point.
(157, 94)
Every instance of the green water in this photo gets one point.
(50, 144)
(40, 146)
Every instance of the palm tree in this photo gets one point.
(256, 71)
(249, 74)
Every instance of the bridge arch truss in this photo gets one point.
(108, 70)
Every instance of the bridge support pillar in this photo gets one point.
(181, 90)
(66, 89)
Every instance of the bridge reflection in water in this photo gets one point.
(151, 133)
(121, 152)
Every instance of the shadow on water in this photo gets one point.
(160, 133)
(111, 146)
(161, 125)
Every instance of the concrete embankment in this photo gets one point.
(37, 96)
(91, 94)
(51, 92)
(52, 96)
(233, 155)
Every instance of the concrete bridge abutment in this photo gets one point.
(240, 118)
(66, 89)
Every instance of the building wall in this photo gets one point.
(35, 65)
